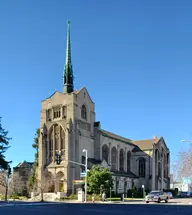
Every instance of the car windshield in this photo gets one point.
(154, 192)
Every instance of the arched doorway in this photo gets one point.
(50, 183)
(60, 182)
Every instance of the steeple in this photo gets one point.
(68, 70)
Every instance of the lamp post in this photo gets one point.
(143, 186)
(186, 141)
(85, 150)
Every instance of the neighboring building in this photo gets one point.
(67, 125)
(21, 174)
(2, 183)
(184, 187)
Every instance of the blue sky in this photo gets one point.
(134, 57)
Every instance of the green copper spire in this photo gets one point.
(68, 70)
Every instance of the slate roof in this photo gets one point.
(29, 163)
(115, 173)
(116, 137)
(145, 144)
(124, 174)
(94, 161)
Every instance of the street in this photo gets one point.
(64, 208)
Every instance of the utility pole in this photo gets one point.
(85, 150)
(58, 161)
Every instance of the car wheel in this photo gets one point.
(166, 200)
(147, 202)
(159, 200)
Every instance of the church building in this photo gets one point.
(67, 126)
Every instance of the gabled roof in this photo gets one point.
(21, 164)
(116, 137)
(78, 91)
(52, 95)
(145, 144)
(128, 174)
(74, 92)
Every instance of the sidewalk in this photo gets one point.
(105, 202)
(134, 201)
(130, 201)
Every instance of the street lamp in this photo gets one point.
(186, 141)
(85, 150)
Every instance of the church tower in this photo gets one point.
(68, 70)
(66, 128)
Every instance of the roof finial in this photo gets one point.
(68, 70)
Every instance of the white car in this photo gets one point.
(170, 195)
(156, 196)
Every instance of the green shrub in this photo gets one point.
(22, 198)
(14, 196)
(96, 197)
(72, 196)
(113, 199)
(2, 197)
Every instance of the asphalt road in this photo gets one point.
(95, 209)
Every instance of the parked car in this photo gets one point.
(182, 194)
(189, 194)
(170, 195)
(156, 196)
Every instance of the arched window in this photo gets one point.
(105, 153)
(128, 161)
(121, 160)
(114, 158)
(141, 167)
(165, 166)
(64, 112)
(56, 140)
(62, 142)
(84, 112)
(51, 145)
(57, 134)
(156, 161)
(159, 164)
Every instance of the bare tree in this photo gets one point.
(177, 173)
(42, 186)
(182, 169)
(185, 157)
(4, 181)
(16, 185)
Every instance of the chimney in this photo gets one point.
(154, 137)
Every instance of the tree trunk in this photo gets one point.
(41, 196)
(6, 192)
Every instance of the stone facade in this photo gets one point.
(67, 126)
(21, 174)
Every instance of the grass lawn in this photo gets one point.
(119, 199)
